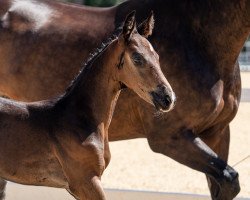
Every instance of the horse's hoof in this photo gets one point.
(229, 185)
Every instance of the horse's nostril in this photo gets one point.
(174, 98)
(163, 99)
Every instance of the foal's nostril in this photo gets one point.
(167, 101)
(163, 98)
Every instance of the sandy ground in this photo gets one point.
(134, 166)
(245, 78)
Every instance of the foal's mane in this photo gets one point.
(88, 64)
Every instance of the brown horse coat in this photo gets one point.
(63, 142)
(198, 42)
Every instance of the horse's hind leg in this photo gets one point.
(2, 188)
(222, 149)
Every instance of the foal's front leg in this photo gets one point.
(83, 163)
(89, 189)
(84, 177)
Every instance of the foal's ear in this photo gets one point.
(146, 27)
(129, 26)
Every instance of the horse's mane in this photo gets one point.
(88, 64)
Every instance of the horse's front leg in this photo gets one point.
(88, 188)
(221, 146)
(83, 163)
(191, 151)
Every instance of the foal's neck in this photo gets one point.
(93, 97)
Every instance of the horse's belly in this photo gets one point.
(46, 172)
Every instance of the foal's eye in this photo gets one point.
(137, 59)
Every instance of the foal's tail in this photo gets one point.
(2, 188)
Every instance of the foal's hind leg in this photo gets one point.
(2, 188)
(227, 192)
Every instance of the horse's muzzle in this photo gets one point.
(163, 99)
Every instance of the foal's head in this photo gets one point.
(139, 67)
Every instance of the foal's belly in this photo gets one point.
(26, 155)
(44, 172)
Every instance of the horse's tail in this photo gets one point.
(2, 188)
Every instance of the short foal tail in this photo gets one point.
(2, 188)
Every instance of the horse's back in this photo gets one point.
(52, 17)
(39, 38)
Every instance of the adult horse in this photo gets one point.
(198, 42)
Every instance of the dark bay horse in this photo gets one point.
(64, 142)
(198, 42)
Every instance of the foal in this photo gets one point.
(64, 142)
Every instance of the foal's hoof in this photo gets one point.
(229, 186)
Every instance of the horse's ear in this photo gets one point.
(146, 27)
(129, 26)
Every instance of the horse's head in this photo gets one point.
(139, 66)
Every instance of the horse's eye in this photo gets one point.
(137, 59)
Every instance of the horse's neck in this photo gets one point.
(94, 96)
(217, 27)
(227, 31)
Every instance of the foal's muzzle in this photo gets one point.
(163, 98)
